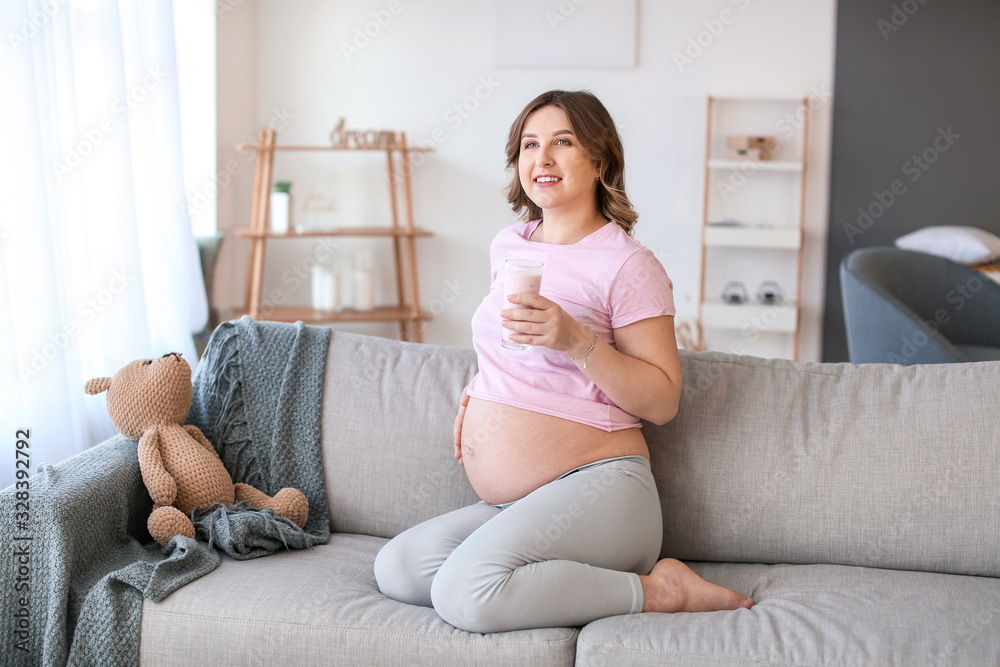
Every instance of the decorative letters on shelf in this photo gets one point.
(341, 137)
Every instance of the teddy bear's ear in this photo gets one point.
(97, 385)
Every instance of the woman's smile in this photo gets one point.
(547, 180)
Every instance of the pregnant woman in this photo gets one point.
(569, 528)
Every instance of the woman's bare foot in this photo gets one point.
(673, 586)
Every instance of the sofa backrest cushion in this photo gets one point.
(880, 465)
(767, 460)
(387, 432)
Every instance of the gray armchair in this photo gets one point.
(906, 307)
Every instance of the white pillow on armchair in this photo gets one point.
(966, 245)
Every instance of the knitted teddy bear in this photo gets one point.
(148, 401)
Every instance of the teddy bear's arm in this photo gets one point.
(160, 484)
(196, 433)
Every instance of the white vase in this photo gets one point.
(281, 211)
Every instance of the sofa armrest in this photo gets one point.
(100, 488)
(86, 516)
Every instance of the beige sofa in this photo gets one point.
(857, 504)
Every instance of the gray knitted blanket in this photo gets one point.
(78, 561)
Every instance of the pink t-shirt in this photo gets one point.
(604, 281)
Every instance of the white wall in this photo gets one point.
(287, 57)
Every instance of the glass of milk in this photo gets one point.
(519, 276)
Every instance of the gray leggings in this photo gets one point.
(565, 554)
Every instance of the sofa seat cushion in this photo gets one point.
(814, 615)
(321, 607)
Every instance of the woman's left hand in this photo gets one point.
(545, 323)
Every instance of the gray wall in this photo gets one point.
(897, 94)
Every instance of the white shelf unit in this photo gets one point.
(764, 165)
(767, 199)
(750, 237)
(779, 318)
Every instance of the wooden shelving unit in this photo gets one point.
(713, 313)
(407, 311)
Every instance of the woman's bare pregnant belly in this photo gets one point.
(509, 452)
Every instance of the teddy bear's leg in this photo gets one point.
(293, 505)
(289, 503)
(257, 498)
(166, 522)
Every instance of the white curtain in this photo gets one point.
(99, 263)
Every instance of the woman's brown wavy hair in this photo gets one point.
(598, 136)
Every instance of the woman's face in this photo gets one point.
(550, 151)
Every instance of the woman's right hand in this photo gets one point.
(463, 404)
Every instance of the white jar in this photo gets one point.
(325, 289)
(364, 281)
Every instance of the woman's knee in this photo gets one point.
(467, 598)
(396, 575)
